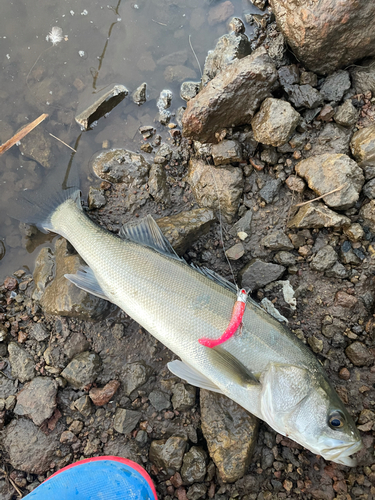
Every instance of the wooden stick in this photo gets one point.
(319, 197)
(22, 133)
(65, 144)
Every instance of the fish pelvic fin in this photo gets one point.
(86, 280)
(192, 376)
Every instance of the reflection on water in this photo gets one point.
(128, 43)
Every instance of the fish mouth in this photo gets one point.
(341, 453)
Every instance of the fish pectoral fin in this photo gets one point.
(232, 366)
(85, 279)
(192, 376)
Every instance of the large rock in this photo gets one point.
(257, 274)
(275, 122)
(333, 139)
(221, 103)
(230, 432)
(183, 229)
(121, 165)
(216, 188)
(327, 35)
(317, 215)
(363, 77)
(37, 400)
(363, 146)
(168, 453)
(327, 172)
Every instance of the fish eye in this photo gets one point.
(336, 420)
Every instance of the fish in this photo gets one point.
(266, 369)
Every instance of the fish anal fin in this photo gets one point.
(192, 376)
(85, 279)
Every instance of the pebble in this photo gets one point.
(194, 465)
(37, 400)
(295, 183)
(126, 420)
(160, 400)
(335, 86)
(184, 396)
(362, 146)
(346, 115)
(358, 354)
(344, 374)
(235, 252)
(277, 240)
(168, 453)
(83, 369)
(324, 259)
(139, 95)
(225, 152)
(317, 215)
(344, 299)
(22, 363)
(83, 405)
(354, 232)
(133, 376)
(257, 274)
(101, 396)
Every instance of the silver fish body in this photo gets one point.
(265, 369)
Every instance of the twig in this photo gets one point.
(15, 487)
(157, 22)
(323, 195)
(195, 55)
(22, 133)
(65, 144)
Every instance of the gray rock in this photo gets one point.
(335, 86)
(189, 90)
(327, 172)
(317, 215)
(304, 96)
(229, 48)
(183, 229)
(37, 400)
(83, 405)
(285, 258)
(369, 189)
(221, 103)
(308, 78)
(327, 43)
(96, 198)
(39, 332)
(43, 272)
(270, 190)
(332, 139)
(118, 448)
(363, 76)
(103, 105)
(216, 187)
(37, 145)
(29, 449)
(235, 252)
(249, 144)
(346, 114)
(367, 214)
(163, 154)
(159, 400)
(126, 420)
(184, 396)
(324, 259)
(139, 95)
(277, 240)
(7, 387)
(83, 369)
(230, 432)
(165, 100)
(288, 75)
(194, 465)
(75, 344)
(157, 184)
(347, 254)
(257, 274)
(369, 173)
(120, 165)
(168, 453)
(337, 271)
(243, 225)
(275, 122)
(133, 376)
(358, 354)
(22, 363)
(362, 146)
(225, 152)
(269, 155)
(197, 491)
(354, 232)
(179, 73)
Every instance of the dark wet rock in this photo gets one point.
(157, 184)
(63, 298)
(335, 86)
(229, 48)
(230, 432)
(134, 375)
(184, 228)
(139, 95)
(367, 214)
(210, 184)
(275, 122)
(288, 75)
(126, 420)
(164, 116)
(243, 225)
(369, 173)
(363, 146)
(317, 215)
(96, 198)
(337, 271)
(194, 465)
(37, 145)
(147, 131)
(183, 397)
(237, 26)
(235, 252)
(316, 344)
(327, 43)
(369, 189)
(29, 449)
(83, 369)
(7, 387)
(332, 139)
(120, 165)
(285, 258)
(327, 172)
(358, 354)
(37, 400)
(43, 272)
(354, 232)
(189, 90)
(168, 453)
(146, 148)
(84, 406)
(101, 396)
(197, 491)
(257, 274)
(304, 96)
(75, 344)
(220, 103)
(22, 363)
(270, 190)
(118, 448)
(225, 152)
(308, 78)
(103, 105)
(160, 400)
(165, 99)
(324, 259)
(248, 143)
(269, 155)
(220, 13)
(39, 332)
(346, 115)
(347, 254)
(277, 240)
(363, 76)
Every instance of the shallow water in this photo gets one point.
(126, 43)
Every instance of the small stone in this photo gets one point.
(76, 426)
(367, 213)
(168, 453)
(10, 283)
(225, 152)
(285, 258)
(326, 113)
(369, 189)
(157, 184)
(337, 271)
(344, 374)
(96, 198)
(39, 332)
(335, 86)
(288, 75)
(68, 437)
(83, 405)
(324, 259)
(354, 232)
(346, 115)
(317, 215)
(257, 274)
(277, 240)
(83, 369)
(295, 184)
(160, 400)
(126, 420)
(147, 148)
(189, 90)
(22, 364)
(359, 354)
(102, 396)
(37, 399)
(304, 96)
(184, 396)
(139, 95)
(344, 299)
(362, 146)
(133, 376)
(243, 225)
(270, 190)
(308, 78)
(315, 344)
(193, 468)
(235, 252)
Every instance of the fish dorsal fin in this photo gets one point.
(146, 232)
(237, 371)
(192, 376)
(85, 279)
(215, 277)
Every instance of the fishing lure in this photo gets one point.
(234, 324)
